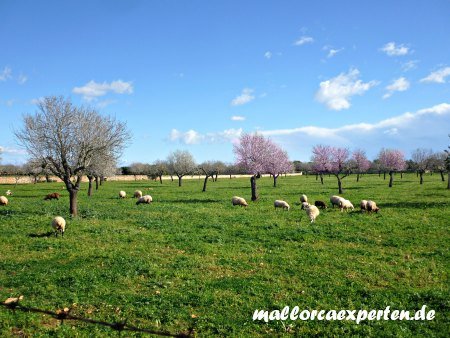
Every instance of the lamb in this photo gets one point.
(137, 194)
(122, 194)
(3, 200)
(312, 211)
(236, 200)
(281, 204)
(345, 204)
(335, 200)
(363, 205)
(320, 204)
(372, 206)
(59, 225)
(303, 198)
(304, 205)
(8, 192)
(51, 196)
(147, 199)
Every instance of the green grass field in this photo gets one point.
(192, 261)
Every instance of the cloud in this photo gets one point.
(245, 97)
(92, 89)
(336, 92)
(392, 49)
(12, 151)
(410, 65)
(268, 55)
(237, 118)
(331, 51)
(22, 79)
(399, 85)
(437, 76)
(193, 137)
(5, 74)
(303, 40)
(37, 101)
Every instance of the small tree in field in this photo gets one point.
(209, 169)
(340, 165)
(181, 163)
(391, 160)
(438, 163)
(278, 162)
(447, 164)
(67, 138)
(362, 164)
(423, 159)
(321, 160)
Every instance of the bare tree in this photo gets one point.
(209, 169)
(438, 163)
(67, 139)
(423, 161)
(102, 165)
(181, 163)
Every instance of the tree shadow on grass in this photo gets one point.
(41, 235)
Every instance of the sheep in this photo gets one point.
(304, 205)
(137, 194)
(303, 198)
(335, 200)
(372, 206)
(147, 199)
(363, 205)
(122, 194)
(320, 204)
(281, 204)
(59, 225)
(236, 200)
(345, 204)
(3, 200)
(8, 192)
(51, 196)
(312, 211)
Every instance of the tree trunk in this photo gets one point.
(73, 201)
(339, 185)
(171, 177)
(47, 178)
(391, 179)
(230, 176)
(206, 181)
(275, 180)
(253, 184)
(217, 174)
(317, 176)
(179, 180)
(421, 177)
(357, 177)
(442, 176)
(401, 174)
(160, 179)
(96, 182)
(384, 175)
(90, 178)
(101, 180)
(321, 178)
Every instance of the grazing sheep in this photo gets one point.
(320, 204)
(147, 199)
(236, 200)
(3, 200)
(281, 204)
(304, 205)
(51, 196)
(303, 198)
(363, 205)
(335, 200)
(345, 204)
(59, 225)
(122, 194)
(8, 193)
(372, 206)
(138, 194)
(312, 211)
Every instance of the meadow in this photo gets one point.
(191, 262)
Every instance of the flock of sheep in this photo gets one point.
(312, 211)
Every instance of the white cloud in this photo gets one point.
(303, 40)
(237, 118)
(336, 92)
(331, 51)
(437, 76)
(410, 65)
(92, 89)
(398, 85)
(189, 137)
(245, 97)
(392, 49)
(12, 151)
(193, 137)
(22, 79)
(268, 55)
(5, 74)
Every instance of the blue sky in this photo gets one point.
(195, 74)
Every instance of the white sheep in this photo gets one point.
(363, 205)
(236, 200)
(147, 199)
(281, 204)
(345, 204)
(303, 198)
(3, 200)
(59, 225)
(8, 192)
(372, 206)
(304, 205)
(138, 194)
(312, 211)
(122, 194)
(335, 200)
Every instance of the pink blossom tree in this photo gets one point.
(362, 164)
(321, 160)
(392, 160)
(277, 163)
